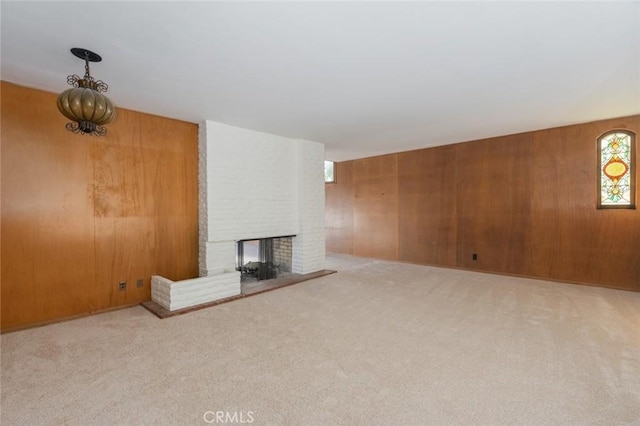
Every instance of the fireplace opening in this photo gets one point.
(263, 259)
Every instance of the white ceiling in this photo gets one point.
(364, 78)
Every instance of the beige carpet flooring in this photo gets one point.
(378, 343)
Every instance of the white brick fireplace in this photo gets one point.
(254, 185)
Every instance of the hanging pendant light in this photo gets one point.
(84, 103)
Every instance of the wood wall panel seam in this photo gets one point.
(83, 212)
(524, 203)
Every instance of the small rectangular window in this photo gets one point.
(329, 172)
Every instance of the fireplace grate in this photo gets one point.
(255, 260)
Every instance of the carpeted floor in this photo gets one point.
(378, 343)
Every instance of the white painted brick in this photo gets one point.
(309, 245)
(256, 185)
(251, 184)
(203, 213)
(174, 295)
(221, 256)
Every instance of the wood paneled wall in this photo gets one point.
(525, 204)
(82, 213)
(339, 211)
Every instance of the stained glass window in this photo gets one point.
(616, 172)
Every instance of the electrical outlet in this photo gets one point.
(122, 285)
(140, 283)
(475, 256)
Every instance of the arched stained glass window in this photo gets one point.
(616, 170)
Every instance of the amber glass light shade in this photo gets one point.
(84, 103)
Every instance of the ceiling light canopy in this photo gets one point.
(84, 103)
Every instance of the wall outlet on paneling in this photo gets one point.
(122, 285)
(474, 256)
(140, 283)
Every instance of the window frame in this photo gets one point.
(333, 166)
(632, 170)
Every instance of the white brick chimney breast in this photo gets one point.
(252, 185)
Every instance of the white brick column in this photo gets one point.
(309, 244)
(257, 185)
(203, 216)
(251, 185)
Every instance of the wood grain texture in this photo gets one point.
(427, 206)
(47, 214)
(493, 190)
(525, 203)
(339, 211)
(571, 239)
(81, 213)
(375, 207)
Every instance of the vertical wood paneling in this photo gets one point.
(493, 203)
(571, 239)
(145, 185)
(47, 212)
(526, 204)
(81, 213)
(427, 206)
(339, 210)
(375, 217)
